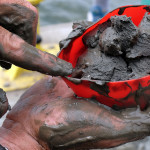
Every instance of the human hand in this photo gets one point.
(49, 111)
(18, 24)
(4, 106)
(15, 20)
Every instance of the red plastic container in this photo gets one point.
(117, 95)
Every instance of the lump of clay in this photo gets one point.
(117, 52)
(142, 48)
(120, 36)
(78, 29)
(107, 69)
(140, 67)
(91, 39)
(95, 65)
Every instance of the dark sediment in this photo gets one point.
(107, 68)
(18, 20)
(120, 36)
(140, 67)
(78, 29)
(120, 51)
(142, 47)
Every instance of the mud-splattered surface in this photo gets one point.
(18, 19)
(119, 51)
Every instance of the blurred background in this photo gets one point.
(62, 11)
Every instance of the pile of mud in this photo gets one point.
(118, 51)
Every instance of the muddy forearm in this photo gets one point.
(59, 121)
(85, 125)
(20, 18)
(15, 50)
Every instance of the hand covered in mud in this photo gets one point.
(4, 106)
(18, 24)
(48, 116)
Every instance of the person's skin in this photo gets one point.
(49, 117)
(18, 25)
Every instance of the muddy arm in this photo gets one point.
(19, 17)
(85, 125)
(15, 50)
(51, 114)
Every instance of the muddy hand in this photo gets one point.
(48, 63)
(139, 117)
(64, 68)
(48, 111)
(4, 106)
(19, 17)
(15, 50)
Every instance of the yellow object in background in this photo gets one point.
(35, 2)
(17, 78)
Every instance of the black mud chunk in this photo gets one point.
(91, 39)
(85, 60)
(120, 36)
(107, 68)
(109, 42)
(145, 24)
(140, 67)
(76, 32)
(142, 47)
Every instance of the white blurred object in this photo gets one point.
(89, 16)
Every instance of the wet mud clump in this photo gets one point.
(117, 51)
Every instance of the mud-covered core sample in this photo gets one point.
(121, 52)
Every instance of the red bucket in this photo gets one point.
(117, 95)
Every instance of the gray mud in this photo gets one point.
(120, 52)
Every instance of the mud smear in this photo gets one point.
(43, 62)
(3, 103)
(141, 48)
(4, 64)
(78, 29)
(117, 53)
(83, 130)
(19, 20)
